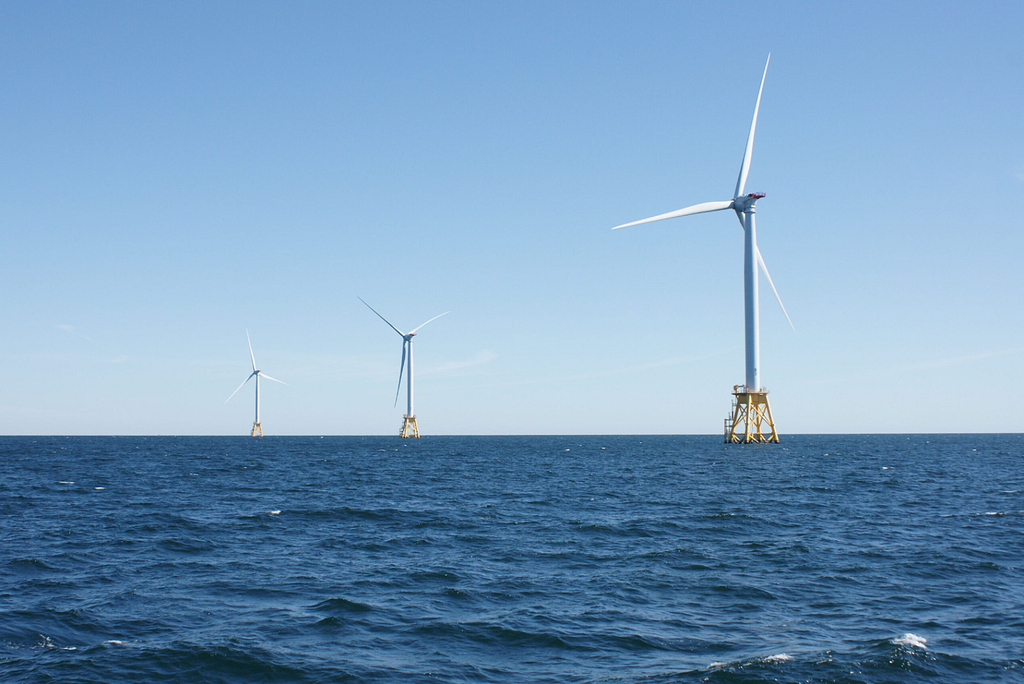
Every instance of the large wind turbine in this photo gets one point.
(256, 427)
(750, 411)
(409, 427)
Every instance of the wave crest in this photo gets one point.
(911, 640)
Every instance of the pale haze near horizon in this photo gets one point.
(174, 174)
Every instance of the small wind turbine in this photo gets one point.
(256, 427)
(409, 427)
(750, 406)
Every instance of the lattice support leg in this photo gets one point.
(257, 430)
(409, 427)
(751, 419)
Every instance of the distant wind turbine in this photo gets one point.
(751, 413)
(409, 426)
(256, 427)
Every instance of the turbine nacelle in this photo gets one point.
(746, 202)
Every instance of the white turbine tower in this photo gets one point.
(409, 427)
(256, 427)
(751, 417)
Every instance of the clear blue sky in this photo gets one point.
(174, 173)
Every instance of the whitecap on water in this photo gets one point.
(777, 658)
(47, 642)
(911, 640)
(99, 488)
(277, 512)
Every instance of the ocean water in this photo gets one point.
(885, 558)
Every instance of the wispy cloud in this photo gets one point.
(71, 330)
(482, 356)
(957, 360)
(623, 370)
(924, 365)
(331, 367)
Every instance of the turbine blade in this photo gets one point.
(240, 386)
(381, 317)
(432, 319)
(400, 369)
(267, 377)
(764, 269)
(250, 349)
(688, 211)
(745, 166)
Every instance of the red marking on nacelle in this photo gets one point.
(756, 195)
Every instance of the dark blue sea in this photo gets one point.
(869, 558)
